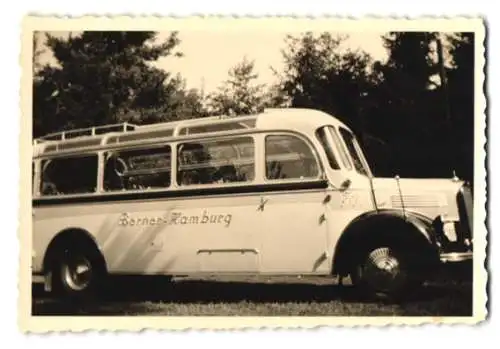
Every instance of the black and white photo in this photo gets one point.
(265, 168)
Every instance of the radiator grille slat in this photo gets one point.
(417, 201)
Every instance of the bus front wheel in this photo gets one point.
(386, 272)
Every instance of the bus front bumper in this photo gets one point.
(455, 257)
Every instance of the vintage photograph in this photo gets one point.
(272, 169)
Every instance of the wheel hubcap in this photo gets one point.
(383, 270)
(77, 273)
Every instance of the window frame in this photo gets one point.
(357, 150)
(258, 140)
(214, 139)
(157, 146)
(45, 161)
(341, 148)
(314, 151)
(330, 147)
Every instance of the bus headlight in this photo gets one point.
(449, 231)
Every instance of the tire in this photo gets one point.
(78, 272)
(387, 272)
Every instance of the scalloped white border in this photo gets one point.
(28, 323)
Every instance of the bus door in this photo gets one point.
(293, 211)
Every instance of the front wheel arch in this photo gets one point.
(68, 236)
(387, 226)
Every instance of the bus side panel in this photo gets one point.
(342, 209)
(212, 234)
(199, 234)
(294, 233)
(50, 221)
(100, 221)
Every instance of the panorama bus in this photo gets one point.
(283, 192)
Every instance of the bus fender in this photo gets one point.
(408, 227)
(70, 235)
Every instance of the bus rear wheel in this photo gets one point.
(78, 273)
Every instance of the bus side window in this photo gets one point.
(216, 162)
(148, 168)
(73, 175)
(289, 157)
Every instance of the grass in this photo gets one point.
(285, 296)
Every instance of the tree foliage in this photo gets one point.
(318, 74)
(461, 102)
(396, 107)
(37, 53)
(239, 94)
(104, 77)
(409, 109)
(431, 125)
(410, 121)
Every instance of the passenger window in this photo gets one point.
(289, 157)
(76, 175)
(138, 169)
(216, 162)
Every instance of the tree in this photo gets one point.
(239, 94)
(410, 63)
(406, 78)
(460, 78)
(275, 97)
(37, 52)
(396, 107)
(318, 74)
(101, 78)
(428, 123)
(411, 112)
(186, 104)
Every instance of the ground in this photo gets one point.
(289, 296)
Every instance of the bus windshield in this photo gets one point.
(354, 151)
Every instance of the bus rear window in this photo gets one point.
(74, 175)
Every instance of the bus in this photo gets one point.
(281, 192)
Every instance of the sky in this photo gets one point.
(208, 55)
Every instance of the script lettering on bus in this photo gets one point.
(175, 218)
